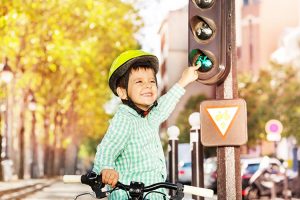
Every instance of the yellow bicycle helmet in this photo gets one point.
(124, 61)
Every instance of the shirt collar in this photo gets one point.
(126, 109)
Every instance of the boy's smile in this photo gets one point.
(142, 87)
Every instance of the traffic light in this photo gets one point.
(211, 39)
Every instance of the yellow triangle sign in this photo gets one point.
(222, 117)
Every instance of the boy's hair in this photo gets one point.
(123, 81)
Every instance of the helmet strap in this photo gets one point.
(141, 112)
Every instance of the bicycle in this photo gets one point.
(137, 190)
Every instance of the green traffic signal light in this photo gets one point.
(206, 63)
(197, 58)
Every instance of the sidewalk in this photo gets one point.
(13, 184)
(18, 189)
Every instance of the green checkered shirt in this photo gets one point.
(132, 144)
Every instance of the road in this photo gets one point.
(61, 191)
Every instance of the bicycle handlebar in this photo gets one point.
(72, 178)
(186, 188)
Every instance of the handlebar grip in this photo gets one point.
(72, 178)
(203, 192)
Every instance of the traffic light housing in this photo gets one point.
(211, 39)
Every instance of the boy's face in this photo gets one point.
(142, 87)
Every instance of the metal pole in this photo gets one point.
(173, 158)
(286, 192)
(173, 133)
(275, 149)
(273, 190)
(229, 172)
(197, 161)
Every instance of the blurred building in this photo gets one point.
(259, 27)
(262, 24)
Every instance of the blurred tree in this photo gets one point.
(2, 97)
(274, 94)
(192, 105)
(63, 56)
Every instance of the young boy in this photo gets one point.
(131, 149)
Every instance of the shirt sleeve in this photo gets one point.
(166, 104)
(112, 144)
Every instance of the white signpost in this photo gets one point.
(273, 128)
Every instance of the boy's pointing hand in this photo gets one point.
(189, 75)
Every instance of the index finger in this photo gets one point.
(195, 67)
(198, 65)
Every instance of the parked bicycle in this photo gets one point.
(136, 190)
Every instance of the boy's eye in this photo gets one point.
(138, 82)
(153, 82)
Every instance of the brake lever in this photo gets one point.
(98, 191)
(95, 182)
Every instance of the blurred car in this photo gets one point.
(184, 164)
(185, 172)
(210, 173)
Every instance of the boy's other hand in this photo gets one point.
(189, 75)
(110, 177)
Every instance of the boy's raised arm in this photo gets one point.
(167, 102)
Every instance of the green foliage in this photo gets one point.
(274, 94)
(192, 105)
(62, 51)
